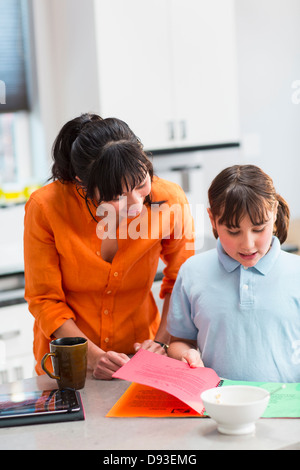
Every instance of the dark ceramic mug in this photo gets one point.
(69, 361)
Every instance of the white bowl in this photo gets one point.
(235, 408)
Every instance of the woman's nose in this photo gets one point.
(134, 198)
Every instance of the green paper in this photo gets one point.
(285, 403)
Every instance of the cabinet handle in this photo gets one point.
(186, 168)
(183, 129)
(9, 335)
(171, 130)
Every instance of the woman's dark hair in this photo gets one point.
(101, 154)
(246, 189)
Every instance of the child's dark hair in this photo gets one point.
(101, 154)
(246, 189)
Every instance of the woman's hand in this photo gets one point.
(193, 358)
(151, 346)
(108, 363)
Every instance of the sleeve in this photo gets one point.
(179, 321)
(178, 245)
(43, 280)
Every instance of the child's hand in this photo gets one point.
(193, 358)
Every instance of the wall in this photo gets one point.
(268, 40)
(75, 67)
(65, 50)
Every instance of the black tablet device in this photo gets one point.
(41, 406)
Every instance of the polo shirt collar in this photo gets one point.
(263, 266)
(228, 263)
(266, 263)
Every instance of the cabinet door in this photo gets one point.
(168, 68)
(16, 330)
(16, 343)
(204, 71)
(134, 66)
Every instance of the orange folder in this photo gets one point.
(144, 401)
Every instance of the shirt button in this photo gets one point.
(98, 253)
(108, 292)
(116, 274)
(245, 287)
(106, 340)
(105, 312)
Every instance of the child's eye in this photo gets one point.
(233, 233)
(258, 230)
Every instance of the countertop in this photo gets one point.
(97, 432)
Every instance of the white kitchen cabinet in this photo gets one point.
(168, 68)
(204, 71)
(133, 41)
(16, 343)
(11, 239)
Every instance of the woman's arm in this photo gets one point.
(103, 364)
(45, 295)
(185, 350)
(162, 336)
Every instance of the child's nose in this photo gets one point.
(248, 241)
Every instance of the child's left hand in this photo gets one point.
(193, 358)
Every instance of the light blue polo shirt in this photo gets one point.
(246, 321)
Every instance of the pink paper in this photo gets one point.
(170, 375)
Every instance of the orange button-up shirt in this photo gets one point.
(66, 278)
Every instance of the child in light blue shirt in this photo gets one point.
(236, 308)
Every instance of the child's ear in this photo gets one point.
(213, 223)
(275, 211)
(212, 220)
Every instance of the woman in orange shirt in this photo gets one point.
(92, 241)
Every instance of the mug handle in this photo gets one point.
(44, 366)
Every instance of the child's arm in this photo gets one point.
(185, 350)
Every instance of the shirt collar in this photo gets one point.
(264, 265)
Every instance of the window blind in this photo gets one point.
(13, 86)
